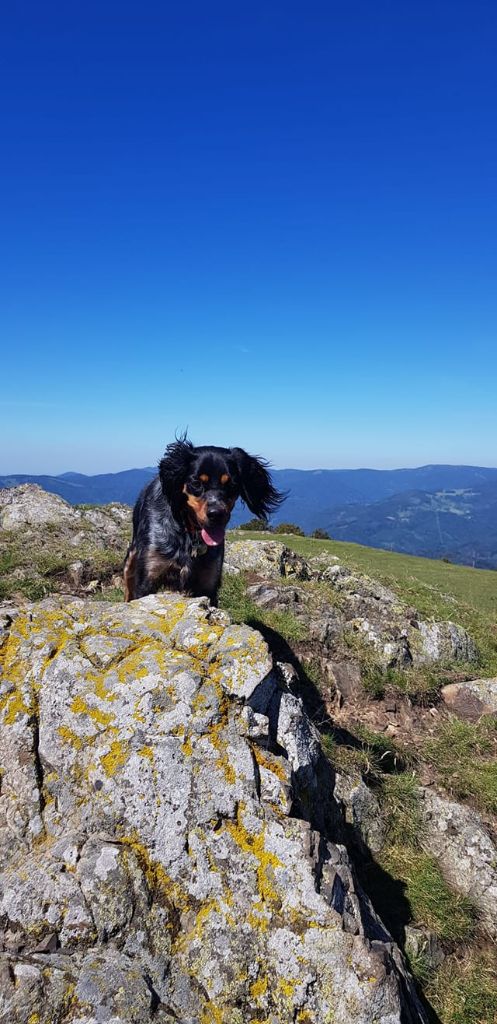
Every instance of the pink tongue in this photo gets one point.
(213, 536)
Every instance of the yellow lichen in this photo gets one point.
(146, 752)
(211, 1014)
(187, 747)
(80, 706)
(115, 758)
(266, 863)
(101, 690)
(259, 987)
(273, 764)
(158, 880)
(69, 736)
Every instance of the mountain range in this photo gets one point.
(434, 511)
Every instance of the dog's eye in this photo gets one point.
(195, 486)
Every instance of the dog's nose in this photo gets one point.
(216, 512)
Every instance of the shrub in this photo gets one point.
(320, 535)
(255, 525)
(289, 528)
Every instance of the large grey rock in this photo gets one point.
(29, 504)
(262, 557)
(457, 837)
(151, 867)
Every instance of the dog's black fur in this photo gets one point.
(191, 499)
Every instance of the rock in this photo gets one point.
(464, 702)
(52, 545)
(355, 606)
(443, 641)
(146, 829)
(262, 557)
(464, 850)
(362, 811)
(30, 505)
(421, 943)
(473, 698)
(76, 572)
(269, 596)
(346, 678)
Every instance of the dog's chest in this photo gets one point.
(205, 569)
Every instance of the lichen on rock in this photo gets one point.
(153, 867)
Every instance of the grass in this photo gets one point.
(234, 599)
(372, 754)
(464, 990)
(421, 684)
(465, 756)
(432, 902)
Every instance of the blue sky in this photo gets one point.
(274, 223)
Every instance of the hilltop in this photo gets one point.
(393, 661)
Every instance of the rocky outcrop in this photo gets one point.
(465, 852)
(50, 546)
(153, 866)
(350, 609)
(30, 506)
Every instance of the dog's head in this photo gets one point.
(202, 485)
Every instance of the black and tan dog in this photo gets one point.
(180, 517)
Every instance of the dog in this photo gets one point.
(180, 518)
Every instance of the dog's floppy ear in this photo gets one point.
(173, 469)
(256, 487)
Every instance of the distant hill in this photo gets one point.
(79, 489)
(460, 525)
(436, 511)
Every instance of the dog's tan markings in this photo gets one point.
(204, 478)
(224, 478)
(158, 566)
(129, 575)
(197, 505)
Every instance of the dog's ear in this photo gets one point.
(256, 487)
(173, 469)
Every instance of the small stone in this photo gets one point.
(47, 945)
(76, 570)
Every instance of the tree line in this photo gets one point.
(259, 526)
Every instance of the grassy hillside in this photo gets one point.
(428, 746)
(435, 588)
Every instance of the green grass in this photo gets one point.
(431, 900)
(373, 754)
(465, 757)
(234, 599)
(433, 903)
(464, 990)
(436, 589)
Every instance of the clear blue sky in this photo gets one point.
(275, 223)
